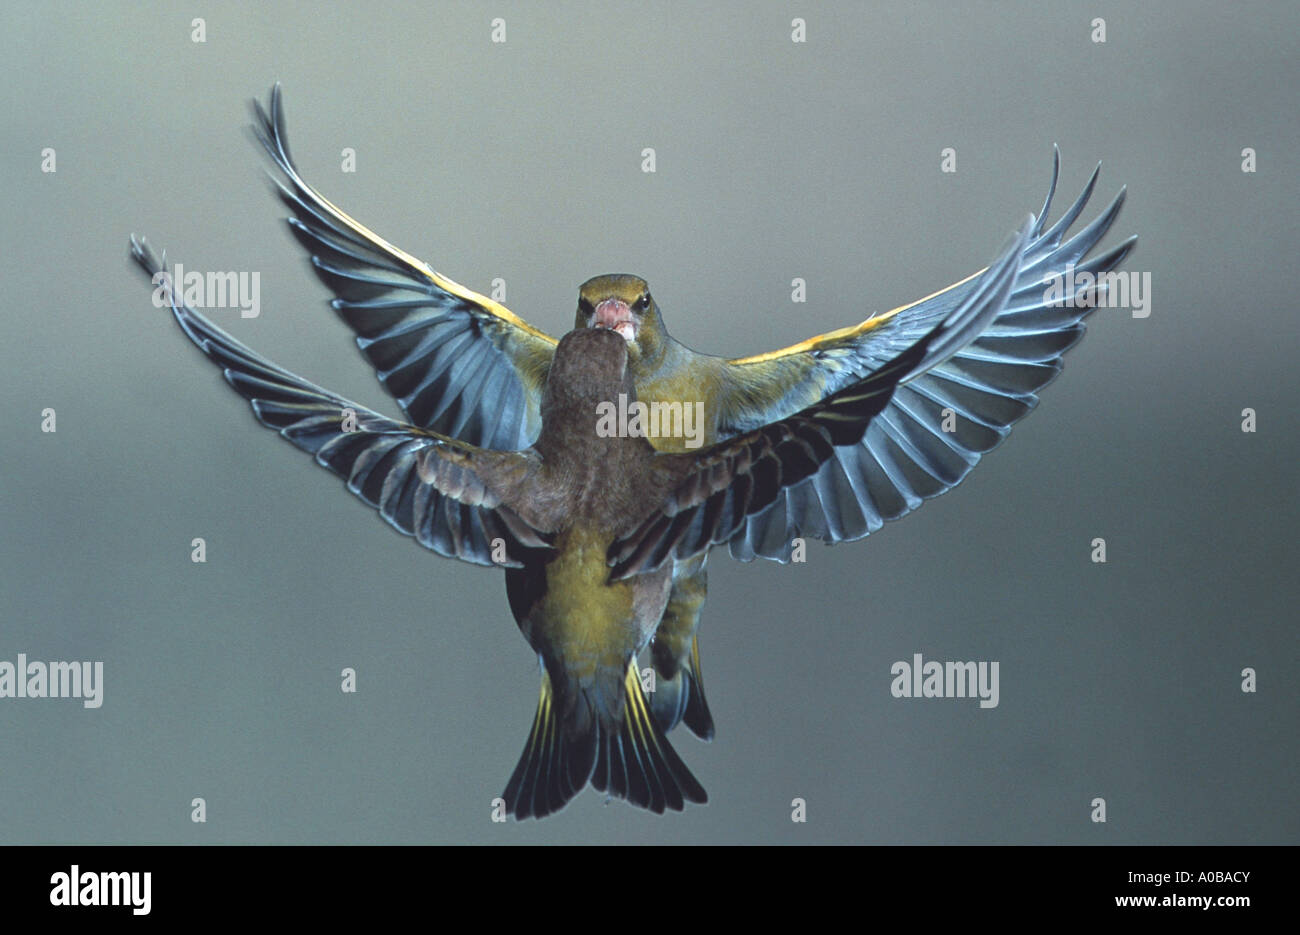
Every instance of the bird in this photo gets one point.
(462, 364)
(588, 522)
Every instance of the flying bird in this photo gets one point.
(463, 365)
(590, 523)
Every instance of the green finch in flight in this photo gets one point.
(463, 365)
(588, 522)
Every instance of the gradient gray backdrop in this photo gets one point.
(775, 160)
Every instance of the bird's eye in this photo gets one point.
(643, 303)
(585, 307)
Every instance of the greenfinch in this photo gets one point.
(589, 521)
(463, 365)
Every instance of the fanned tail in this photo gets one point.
(555, 765)
(630, 759)
(638, 763)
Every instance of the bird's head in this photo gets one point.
(589, 367)
(623, 304)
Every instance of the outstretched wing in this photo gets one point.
(909, 454)
(454, 498)
(457, 362)
(726, 485)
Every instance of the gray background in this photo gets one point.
(775, 160)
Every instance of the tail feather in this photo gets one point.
(655, 776)
(553, 767)
(644, 786)
(697, 715)
(675, 654)
(630, 760)
(680, 698)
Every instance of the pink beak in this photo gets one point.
(616, 316)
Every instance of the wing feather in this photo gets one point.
(452, 497)
(774, 470)
(946, 416)
(412, 323)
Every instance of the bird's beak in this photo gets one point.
(615, 315)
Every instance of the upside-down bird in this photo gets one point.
(463, 365)
(589, 521)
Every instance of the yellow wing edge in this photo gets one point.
(442, 282)
(852, 331)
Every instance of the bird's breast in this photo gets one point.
(681, 407)
(586, 621)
